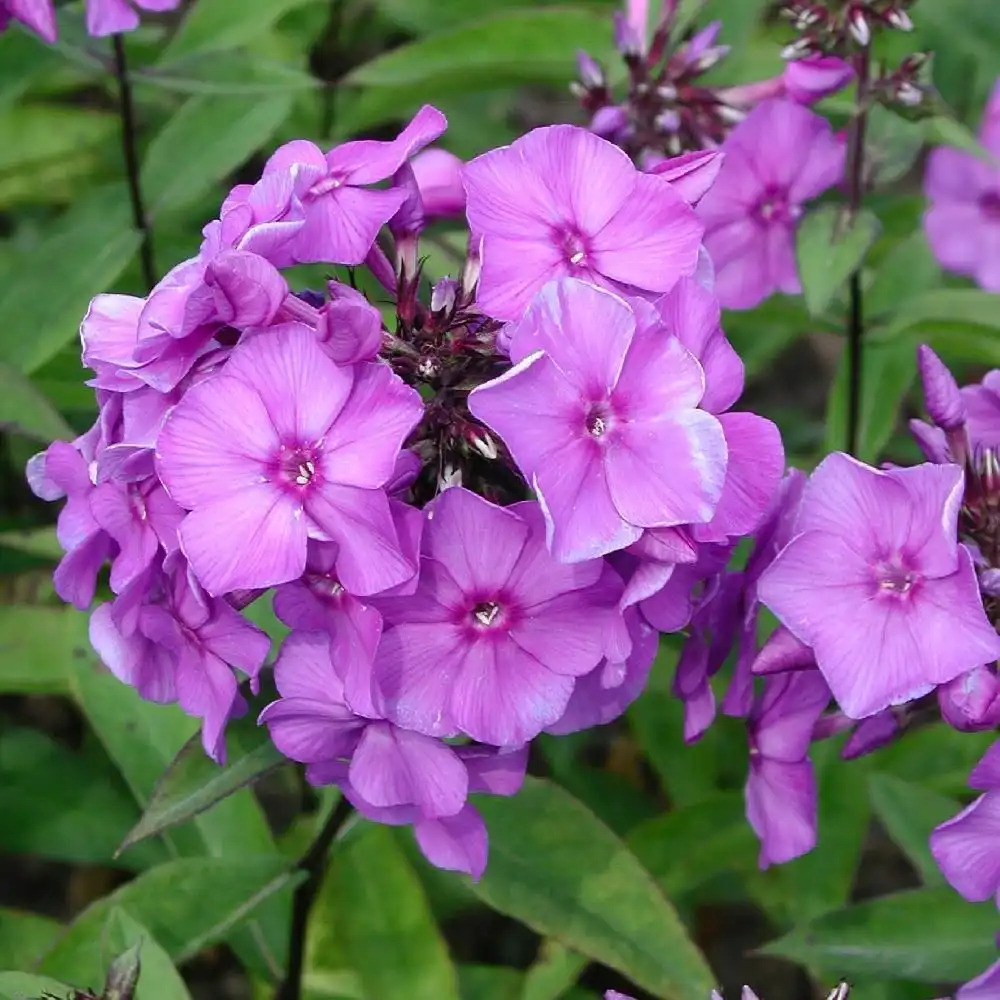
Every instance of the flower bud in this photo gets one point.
(591, 74)
(858, 26)
(627, 39)
(971, 702)
(350, 326)
(439, 177)
(609, 122)
(899, 20)
(941, 394)
(871, 734)
(123, 974)
(443, 295)
(247, 290)
(815, 77)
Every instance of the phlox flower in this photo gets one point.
(600, 412)
(875, 581)
(390, 774)
(110, 17)
(497, 632)
(562, 202)
(781, 156)
(282, 444)
(962, 221)
(38, 16)
(781, 788)
(343, 213)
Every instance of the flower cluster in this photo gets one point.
(474, 524)
(104, 17)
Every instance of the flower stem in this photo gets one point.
(129, 149)
(855, 312)
(313, 864)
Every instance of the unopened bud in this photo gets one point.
(123, 974)
(899, 20)
(591, 74)
(451, 475)
(799, 49)
(908, 94)
(668, 121)
(484, 444)
(627, 39)
(858, 26)
(443, 295)
(941, 393)
(710, 57)
(839, 992)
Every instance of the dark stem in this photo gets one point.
(129, 149)
(855, 191)
(313, 863)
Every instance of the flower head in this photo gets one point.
(601, 415)
(561, 202)
(776, 160)
(875, 581)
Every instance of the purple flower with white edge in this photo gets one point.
(875, 581)
(497, 632)
(962, 221)
(780, 157)
(280, 445)
(600, 412)
(781, 788)
(562, 202)
(343, 213)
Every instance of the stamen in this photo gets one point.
(486, 612)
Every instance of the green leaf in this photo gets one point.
(889, 371)
(93, 242)
(158, 979)
(385, 923)
(511, 47)
(193, 783)
(557, 868)
(24, 936)
(60, 804)
(230, 74)
(553, 972)
(24, 410)
(204, 141)
(23, 986)
(946, 130)
(928, 935)
(760, 335)
(829, 252)
(489, 982)
(686, 847)
(909, 812)
(187, 904)
(142, 738)
(908, 265)
(936, 757)
(37, 646)
(41, 542)
(216, 25)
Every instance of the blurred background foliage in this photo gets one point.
(627, 857)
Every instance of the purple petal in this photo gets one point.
(966, 848)
(691, 174)
(497, 772)
(986, 774)
(455, 843)
(781, 808)
(341, 225)
(782, 721)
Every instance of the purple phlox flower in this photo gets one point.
(280, 445)
(390, 774)
(781, 156)
(562, 202)
(962, 221)
(876, 583)
(439, 178)
(497, 632)
(781, 787)
(64, 470)
(350, 327)
(343, 213)
(601, 415)
(966, 849)
(986, 986)
(111, 17)
(603, 695)
(37, 15)
(671, 607)
(179, 644)
(971, 702)
(985, 775)
(692, 174)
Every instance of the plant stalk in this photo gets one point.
(130, 152)
(855, 193)
(313, 863)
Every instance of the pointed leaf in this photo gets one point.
(24, 936)
(557, 868)
(829, 251)
(157, 977)
(24, 410)
(928, 935)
